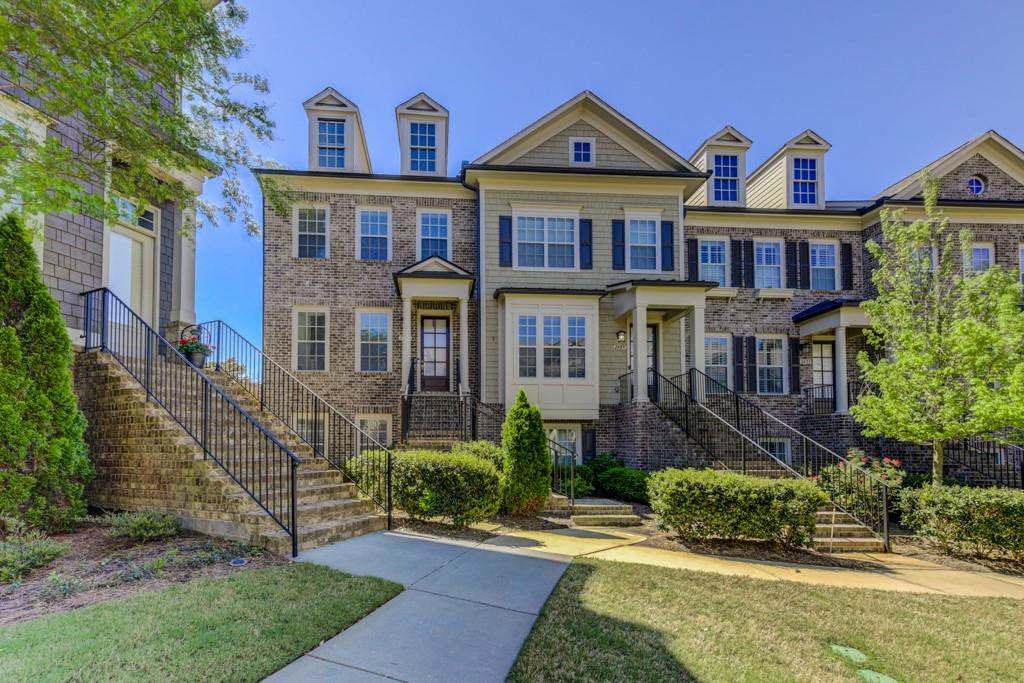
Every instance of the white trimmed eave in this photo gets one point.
(342, 183)
(851, 315)
(562, 180)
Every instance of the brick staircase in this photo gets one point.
(837, 531)
(601, 512)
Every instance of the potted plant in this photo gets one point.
(194, 350)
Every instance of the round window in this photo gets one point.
(976, 185)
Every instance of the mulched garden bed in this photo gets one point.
(915, 547)
(96, 568)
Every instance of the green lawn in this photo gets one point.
(612, 621)
(236, 628)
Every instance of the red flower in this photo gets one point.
(195, 338)
(897, 463)
(887, 460)
(866, 460)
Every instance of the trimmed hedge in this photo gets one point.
(486, 450)
(459, 488)
(964, 519)
(606, 476)
(703, 504)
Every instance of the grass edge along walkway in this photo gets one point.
(241, 627)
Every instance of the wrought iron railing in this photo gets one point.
(989, 462)
(850, 487)
(359, 456)
(821, 399)
(260, 464)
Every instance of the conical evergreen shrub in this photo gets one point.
(43, 460)
(527, 471)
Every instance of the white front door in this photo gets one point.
(130, 274)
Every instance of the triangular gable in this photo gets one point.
(1002, 153)
(727, 137)
(329, 98)
(422, 103)
(807, 140)
(593, 110)
(434, 265)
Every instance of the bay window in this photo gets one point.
(561, 346)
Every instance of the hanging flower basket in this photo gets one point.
(194, 350)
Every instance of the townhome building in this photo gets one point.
(585, 262)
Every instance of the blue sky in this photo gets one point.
(892, 85)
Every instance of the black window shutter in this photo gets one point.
(618, 245)
(805, 266)
(737, 363)
(794, 365)
(846, 263)
(736, 255)
(692, 269)
(751, 365)
(790, 263)
(748, 263)
(668, 245)
(589, 446)
(586, 244)
(505, 241)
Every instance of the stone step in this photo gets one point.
(834, 517)
(606, 520)
(322, 533)
(316, 492)
(842, 531)
(597, 509)
(843, 545)
(313, 512)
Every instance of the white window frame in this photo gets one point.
(386, 417)
(784, 441)
(568, 426)
(358, 341)
(593, 151)
(782, 263)
(437, 148)
(816, 182)
(359, 229)
(784, 366)
(546, 214)
(563, 346)
(728, 356)
(836, 284)
(299, 417)
(700, 265)
(643, 215)
(969, 267)
(419, 234)
(343, 147)
(295, 336)
(738, 179)
(327, 230)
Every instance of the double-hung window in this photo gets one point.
(373, 330)
(422, 147)
(374, 235)
(546, 242)
(377, 430)
(311, 340)
(823, 265)
(771, 370)
(527, 346)
(778, 447)
(981, 257)
(331, 143)
(767, 265)
(643, 243)
(726, 180)
(716, 361)
(310, 232)
(805, 180)
(576, 326)
(434, 234)
(558, 342)
(552, 346)
(712, 261)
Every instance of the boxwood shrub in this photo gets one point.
(968, 520)
(703, 504)
(456, 487)
(481, 448)
(624, 483)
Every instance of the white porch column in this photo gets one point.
(464, 341)
(640, 353)
(840, 374)
(183, 276)
(697, 338)
(406, 340)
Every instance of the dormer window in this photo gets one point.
(582, 151)
(726, 185)
(805, 181)
(422, 147)
(331, 143)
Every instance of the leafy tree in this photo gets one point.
(146, 84)
(43, 461)
(948, 346)
(527, 468)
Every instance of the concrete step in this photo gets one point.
(606, 520)
(842, 530)
(313, 512)
(316, 492)
(590, 509)
(834, 517)
(322, 533)
(843, 545)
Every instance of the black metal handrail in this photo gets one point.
(851, 488)
(821, 399)
(363, 459)
(227, 433)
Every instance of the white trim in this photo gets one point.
(523, 211)
(740, 152)
(836, 267)
(450, 361)
(969, 265)
(785, 441)
(450, 248)
(639, 214)
(358, 332)
(726, 265)
(783, 284)
(592, 141)
(346, 133)
(388, 419)
(311, 308)
(151, 262)
(728, 356)
(784, 366)
(573, 426)
(327, 230)
(360, 208)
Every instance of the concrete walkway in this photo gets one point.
(463, 617)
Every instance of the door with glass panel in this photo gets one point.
(652, 360)
(823, 366)
(435, 344)
(130, 260)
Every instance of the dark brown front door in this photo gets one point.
(435, 344)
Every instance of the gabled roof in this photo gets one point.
(727, 137)
(422, 104)
(606, 118)
(993, 146)
(434, 266)
(807, 140)
(331, 101)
